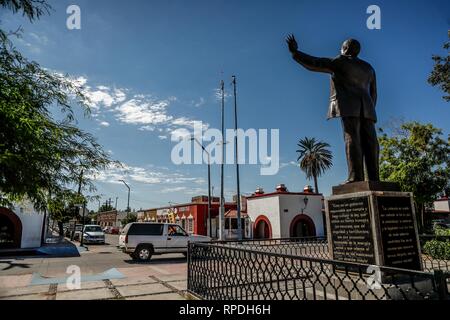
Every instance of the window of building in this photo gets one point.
(190, 225)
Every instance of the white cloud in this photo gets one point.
(199, 103)
(136, 111)
(162, 137)
(288, 164)
(149, 175)
(104, 97)
(41, 39)
(78, 82)
(173, 189)
(146, 111)
(218, 94)
(104, 124)
(147, 128)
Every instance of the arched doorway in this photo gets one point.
(262, 228)
(10, 229)
(302, 226)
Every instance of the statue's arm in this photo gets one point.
(373, 89)
(313, 63)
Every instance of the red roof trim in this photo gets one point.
(190, 204)
(284, 193)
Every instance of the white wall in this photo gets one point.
(273, 208)
(266, 206)
(294, 204)
(442, 205)
(31, 225)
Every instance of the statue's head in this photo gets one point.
(351, 47)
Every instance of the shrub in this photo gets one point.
(441, 232)
(438, 249)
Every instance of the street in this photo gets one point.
(163, 277)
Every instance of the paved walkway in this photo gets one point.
(162, 278)
(140, 283)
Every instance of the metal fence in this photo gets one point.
(429, 263)
(317, 247)
(300, 269)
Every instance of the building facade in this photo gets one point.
(440, 212)
(147, 216)
(284, 214)
(192, 216)
(21, 227)
(112, 218)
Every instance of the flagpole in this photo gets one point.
(238, 200)
(222, 198)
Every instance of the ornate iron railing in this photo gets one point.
(317, 247)
(298, 269)
(430, 263)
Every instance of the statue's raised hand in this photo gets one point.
(292, 43)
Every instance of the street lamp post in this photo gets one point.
(82, 223)
(129, 190)
(222, 197)
(209, 186)
(238, 200)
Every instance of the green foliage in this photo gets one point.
(441, 232)
(437, 249)
(106, 208)
(440, 76)
(130, 217)
(314, 158)
(32, 9)
(42, 151)
(417, 157)
(61, 206)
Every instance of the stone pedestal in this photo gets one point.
(369, 225)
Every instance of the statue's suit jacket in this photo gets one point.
(353, 84)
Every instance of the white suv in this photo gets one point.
(142, 240)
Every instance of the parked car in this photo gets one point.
(106, 229)
(122, 237)
(142, 240)
(93, 234)
(114, 230)
(70, 231)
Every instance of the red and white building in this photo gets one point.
(193, 216)
(284, 214)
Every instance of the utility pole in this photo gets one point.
(129, 190)
(238, 200)
(79, 193)
(209, 187)
(82, 223)
(222, 198)
(116, 203)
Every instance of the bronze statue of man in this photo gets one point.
(353, 99)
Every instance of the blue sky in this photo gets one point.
(152, 67)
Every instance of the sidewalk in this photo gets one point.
(139, 283)
(55, 246)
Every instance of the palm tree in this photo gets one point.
(314, 158)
